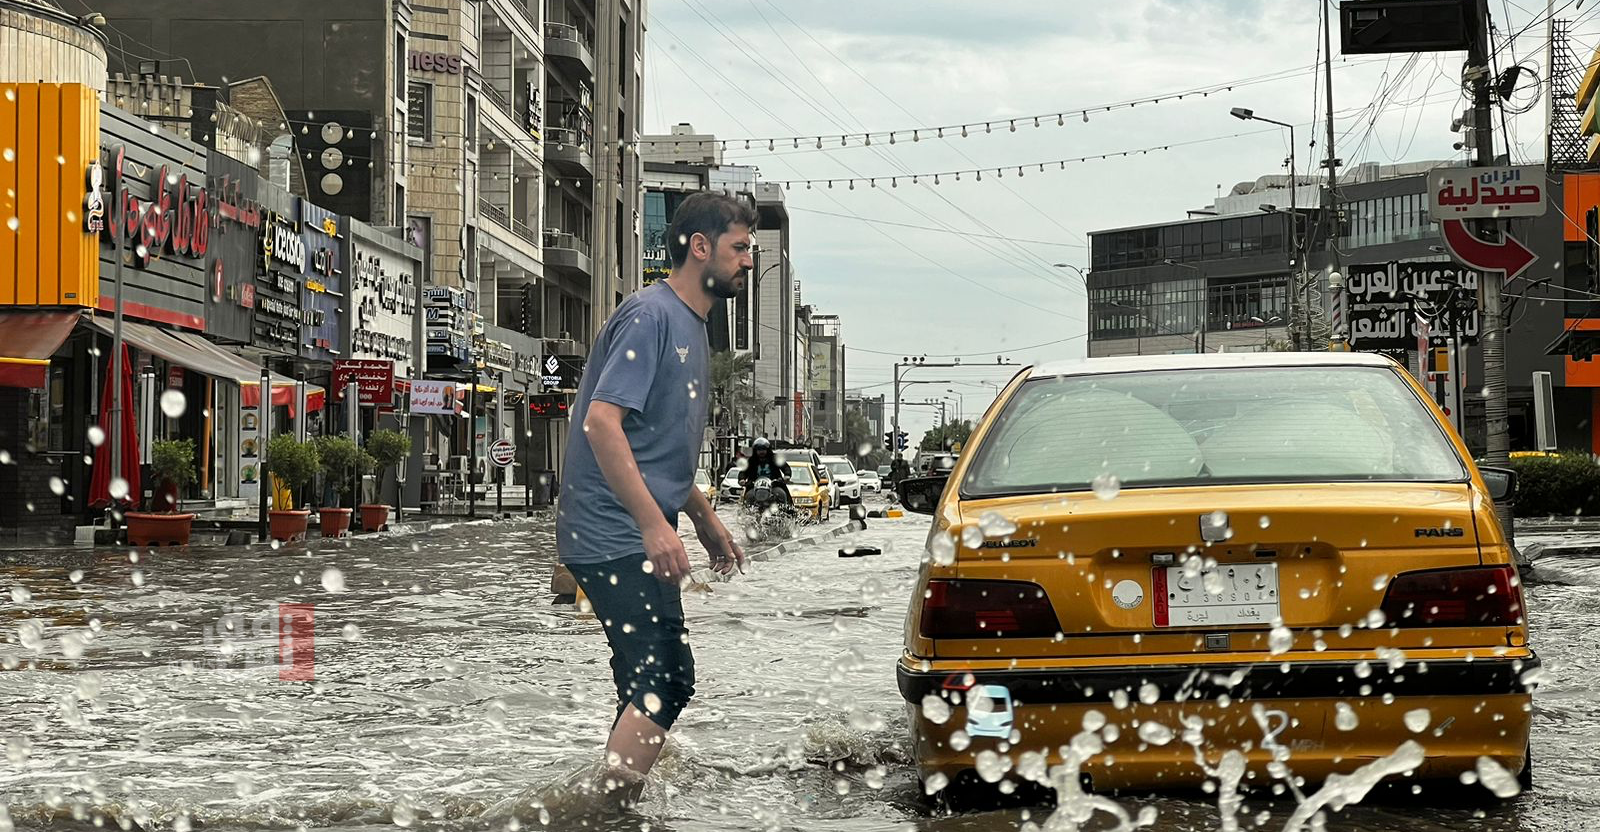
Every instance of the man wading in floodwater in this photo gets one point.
(642, 406)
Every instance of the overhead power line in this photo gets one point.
(939, 230)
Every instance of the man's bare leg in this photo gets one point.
(635, 742)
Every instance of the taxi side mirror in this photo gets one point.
(1502, 482)
(920, 494)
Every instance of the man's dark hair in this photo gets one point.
(709, 214)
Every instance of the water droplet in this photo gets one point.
(993, 524)
(935, 709)
(1149, 693)
(971, 537)
(138, 577)
(652, 703)
(648, 567)
(1417, 720)
(97, 437)
(5, 457)
(402, 815)
(959, 740)
(173, 403)
(1363, 670)
(1106, 486)
(31, 635)
(17, 750)
(1375, 619)
(1093, 720)
(935, 783)
(350, 632)
(992, 766)
(333, 580)
(72, 646)
(75, 575)
(1265, 521)
(58, 486)
(1280, 640)
(631, 355)
(1380, 582)
(1119, 699)
(21, 595)
(943, 549)
(1155, 733)
(8, 154)
(1496, 779)
(874, 776)
(118, 488)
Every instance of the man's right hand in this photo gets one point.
(664, 549)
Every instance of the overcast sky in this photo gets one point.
(765, 68)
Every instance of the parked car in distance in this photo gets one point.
(730, 490)
(844, 477)
(811, 457)
(871, 483)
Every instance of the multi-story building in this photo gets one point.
(1222, 280)
(826, 382)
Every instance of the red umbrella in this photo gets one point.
(100, 480)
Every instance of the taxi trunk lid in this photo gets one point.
(1210, 570)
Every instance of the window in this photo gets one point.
(471, 133)
(399, 66)
(1213, 426)
(419, 111)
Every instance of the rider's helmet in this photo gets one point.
(761, 442)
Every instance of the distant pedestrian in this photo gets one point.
(641, 416)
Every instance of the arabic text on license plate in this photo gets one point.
(1247, 594)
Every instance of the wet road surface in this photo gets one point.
(446, 682)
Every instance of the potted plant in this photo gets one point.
(388, 448)
(172, 468)
(293, 463)
(338, 455)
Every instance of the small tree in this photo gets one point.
(172, 462)
(292, 462)
(387, 449)
(338, 455)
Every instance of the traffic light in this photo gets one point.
(904, 441)
(888, 440)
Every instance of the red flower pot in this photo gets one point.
(374, 517)
(335, 521)
(289, 525)
(152, 529)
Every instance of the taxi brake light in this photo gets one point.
(986, 609)
(1470, 597)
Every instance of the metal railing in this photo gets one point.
(565, 137)
(565, 239)
(563, 31)
(494, 212)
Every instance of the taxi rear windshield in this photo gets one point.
(1190, 427)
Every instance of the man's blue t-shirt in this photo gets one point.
(651, 357)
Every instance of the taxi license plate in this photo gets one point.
(1241, 593)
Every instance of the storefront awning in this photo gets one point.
(194, 352)
(27, 340)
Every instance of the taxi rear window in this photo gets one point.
(1245, 425)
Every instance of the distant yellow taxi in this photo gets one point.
(1287, 556)
(809, 493)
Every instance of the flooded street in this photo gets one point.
(445, 681)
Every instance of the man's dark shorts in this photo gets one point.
(643, 620)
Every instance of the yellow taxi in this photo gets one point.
(1167, 567)
(809, 492)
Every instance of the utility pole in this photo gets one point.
(1330, 220)
(1497, 444)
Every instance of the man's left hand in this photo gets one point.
(726, 555)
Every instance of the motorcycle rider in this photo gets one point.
(764, 463)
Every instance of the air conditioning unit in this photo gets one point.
(563, 336)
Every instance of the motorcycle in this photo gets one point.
(767, 512)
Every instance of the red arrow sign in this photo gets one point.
(1509, 255)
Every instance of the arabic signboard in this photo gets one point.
(1486, 193)
(374, 380)
(429, 396)
(322, 285)
(502, 453)
(234, 247)
(1391, 305)
(383, 295)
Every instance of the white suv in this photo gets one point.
(844, 475)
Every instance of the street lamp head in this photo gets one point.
(1268, 207)
(1242, 113)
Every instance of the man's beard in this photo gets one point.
(722, 287)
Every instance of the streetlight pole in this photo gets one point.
(1297, 303)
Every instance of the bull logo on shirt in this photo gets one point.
(683, 354)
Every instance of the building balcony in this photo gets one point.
(565, 45)
(568, 151)
(566, 253)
